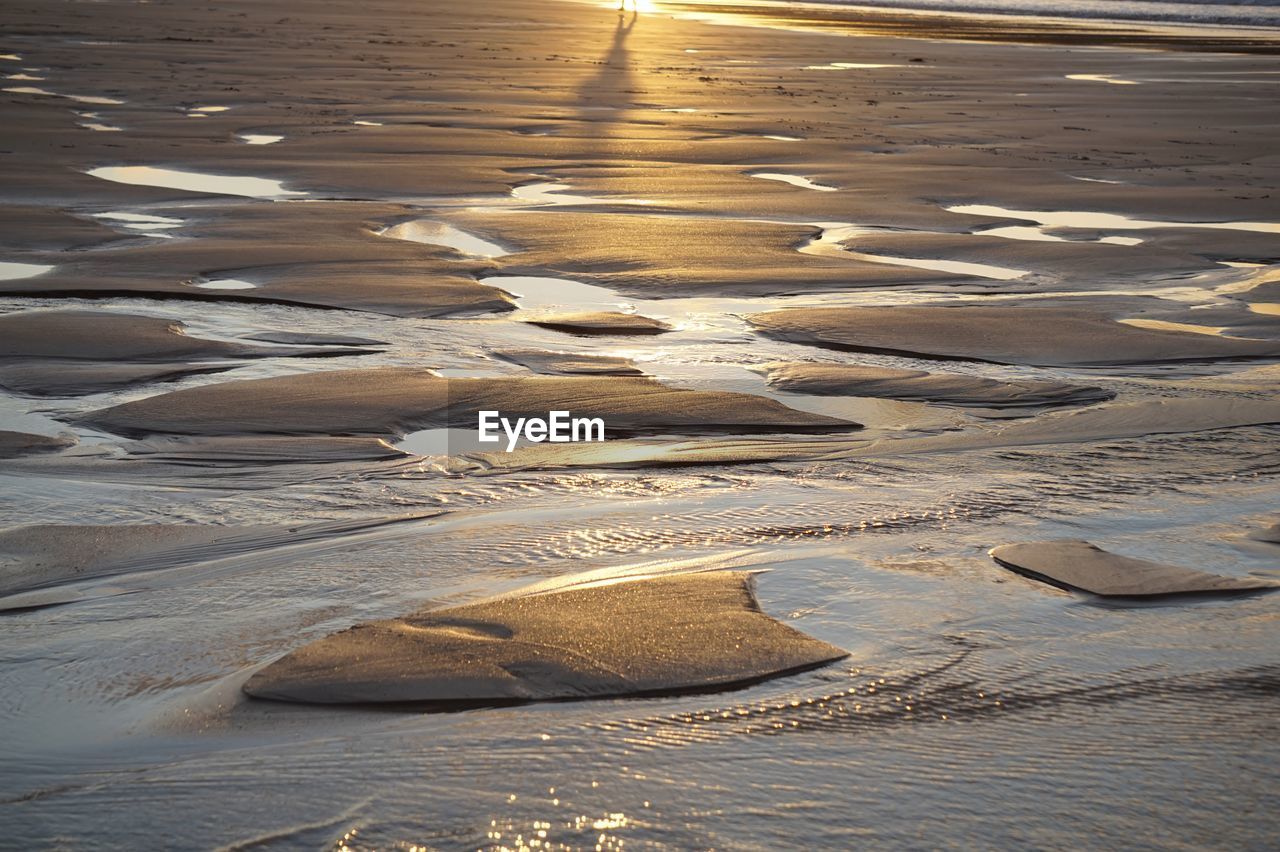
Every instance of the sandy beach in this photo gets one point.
(938, 357)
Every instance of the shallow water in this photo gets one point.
(1103, 78)
(259, 138)
(976, 706)
(226, 284)
(84, 99)
(10, 270)
(442, 234)
(141, 221)
(1105, 221)
(794, 180)
(251, 187)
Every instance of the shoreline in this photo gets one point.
(980, 27)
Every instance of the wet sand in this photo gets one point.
(861, 297)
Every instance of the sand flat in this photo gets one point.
(1081, 566)
(1051, 336)
(641, 636)
(855, 380)
(397, 401)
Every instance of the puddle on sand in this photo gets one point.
(362, 123)
(440, 234)
(27, 77)
(534, 292)
(84, 99)
(1094, 179)
(1103, 221)
(779, 138)
(225, 284)
(794, 180)
(201, 112)
(13, 57)
(250, 187)
(141, 221)
(258, 138)
(846, 66)
(1163, 325)
(1103, 78)
(13, 271)
(1271, 310)
(551, 192)
(92, 123)
(1020, 232)
(830, 244)
(679, 109)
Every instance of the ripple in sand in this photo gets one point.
(1103, 221)
(439, 234)
(794, 180)
(250, 187)
(84, 99)
(12, 271)
(258, 138)
(1103, 78)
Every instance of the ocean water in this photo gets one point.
(1236, 13)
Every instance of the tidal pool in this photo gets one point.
(794, 180)
(10, 271)
(1104, 221)
(249, 187)
(440, 234)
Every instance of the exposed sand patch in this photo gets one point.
(400, 400)
(569, 363)
(948, 388)
(640, 636)
(75, 352)
(1049, 336)
(601, 323)
(1081, 566)
(17, 444)
(40, 564)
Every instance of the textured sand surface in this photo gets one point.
(636, 637)
(1086, 567)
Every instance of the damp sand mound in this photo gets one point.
(41, 563)
(17, 444)
(918, 385)
(1081, 566)
(400, 400)
(601, 323)
(1048, 337)
(569, 363)
(656, 635)
(78, 352)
